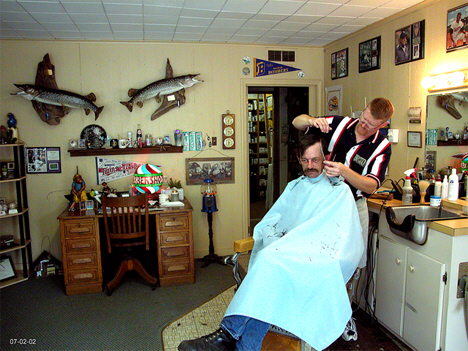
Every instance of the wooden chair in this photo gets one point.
(127, 226)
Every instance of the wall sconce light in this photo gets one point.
(446, 81)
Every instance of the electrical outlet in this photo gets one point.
(214, 141)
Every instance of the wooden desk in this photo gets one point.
(81, 248)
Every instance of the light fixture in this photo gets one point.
(446, 81)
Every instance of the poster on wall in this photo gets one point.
(409, 43)
(333, 99)
(339, 64)
(457, 28)
(369, 55)
(43, 160)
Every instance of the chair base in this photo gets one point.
(130, 265)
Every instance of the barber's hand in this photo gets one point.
(320, 123)
(333, 169)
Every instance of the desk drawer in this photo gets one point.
(88, 260)
(173, 223)
(171, 239)
(80, 245)
(83, 276)
(75, 229)
(174, 253)
(175, 268)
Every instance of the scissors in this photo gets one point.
(333, 180)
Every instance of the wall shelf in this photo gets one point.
(452, 142)
(165, 149)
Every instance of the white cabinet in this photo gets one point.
(409, 294)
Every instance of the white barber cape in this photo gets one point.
(306, 248)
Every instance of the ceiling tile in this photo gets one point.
(276, 22)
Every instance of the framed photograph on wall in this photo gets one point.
(417, 40)
(220, 169)
(457, 29)
(339, 64)
(43, 160)
(414, 139)
(403, 45)
(369, 55)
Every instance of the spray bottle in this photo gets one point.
(445, 187)
(407, 198)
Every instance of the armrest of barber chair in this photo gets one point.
(240, 246)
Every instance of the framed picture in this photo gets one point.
(417, 40)
(43, 160)
(414, 139)
(339, 64)
(457, 29)
(369, 55)
(403, 45)
(7, 269)
(220, 169)
(334, 97)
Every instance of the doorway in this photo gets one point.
(271, 140)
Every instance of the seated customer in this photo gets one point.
(306, 248)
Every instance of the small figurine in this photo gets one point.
(106, 190)
(78, 190)
(12, 128)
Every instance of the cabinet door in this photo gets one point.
(424, 298)
(389, 294)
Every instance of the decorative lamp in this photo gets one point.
(209, 190)
(148, 179)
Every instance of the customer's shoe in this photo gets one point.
(350, 332)
(220, 340)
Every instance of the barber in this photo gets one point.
(359, 154)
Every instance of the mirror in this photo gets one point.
(446, 130)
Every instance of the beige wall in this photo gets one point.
(109, 70)
(401, 84)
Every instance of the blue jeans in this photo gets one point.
(248, 332)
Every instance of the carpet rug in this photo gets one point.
(38, 312)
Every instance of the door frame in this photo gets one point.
(315, 109)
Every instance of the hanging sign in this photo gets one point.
(266, 68)
(107, 170)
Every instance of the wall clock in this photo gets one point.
(229, 131)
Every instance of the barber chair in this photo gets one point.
(276, 338)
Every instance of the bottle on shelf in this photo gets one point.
(453, 186)
(139, 136)
(438, 187)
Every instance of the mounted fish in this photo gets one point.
(161, 88)
(447, 103)
(45, 77)
(59, 98)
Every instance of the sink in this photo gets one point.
(410, 222)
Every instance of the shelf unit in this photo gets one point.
(454, 142)
(260, 124)
(22, 235)
(163, 149)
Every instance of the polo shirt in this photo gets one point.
(369, 158)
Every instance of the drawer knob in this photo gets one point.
(83, 276)
(398, 261)
(411, 268)
(81, 260)
(81, 245)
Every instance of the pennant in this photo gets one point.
(107, 170)
(266, 68)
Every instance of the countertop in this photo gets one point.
(454, 227)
